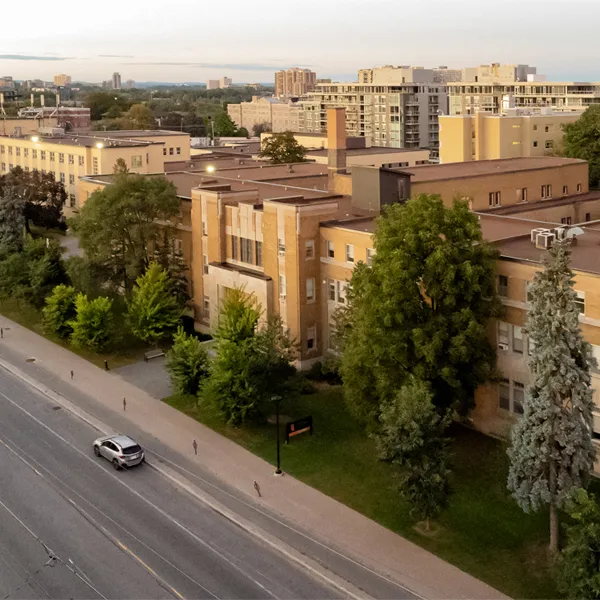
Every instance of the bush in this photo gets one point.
(187, 363)
(93, 327)
(59, 311)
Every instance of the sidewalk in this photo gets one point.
(326, 519)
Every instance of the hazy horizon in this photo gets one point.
(248, 42)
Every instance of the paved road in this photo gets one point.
(114, 534)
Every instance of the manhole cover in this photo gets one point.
(56, 407)
(30, 360)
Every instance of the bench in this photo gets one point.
(153, 354)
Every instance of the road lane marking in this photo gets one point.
(142, 498)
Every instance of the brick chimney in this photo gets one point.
(336, 140)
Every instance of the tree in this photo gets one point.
(412, 436)
(187, 363)
(581, 140)
(578, 566)
(421, 310)
(551, 449)
(259, 128)
(140, 116)
(282, 148)
(251, 366)
(12, 222)
(93, 326)
(101, 103)
(153, 310)
(59, 311)
(119, 229)
(43, 197)
(243, 132)
(46, 273)
(224, 126)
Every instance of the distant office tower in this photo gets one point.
(129, 84)
(294, 82)
(62, 80)
(7, 82)
(225, 82)
(213, 84)
(116, 81)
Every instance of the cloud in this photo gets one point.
(232, 66)
(30, 57)
(116, 56)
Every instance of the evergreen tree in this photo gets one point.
(60, 311)
(551, 449)
(153, 310)
(187, 363)
(412, 436)
(578, 566)
(93, 326)
(421, 310)
(46, 273)
(12, 222)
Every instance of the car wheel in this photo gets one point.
(116, 464)
(96, 451)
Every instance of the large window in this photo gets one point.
(258, 252)
(503, 339)
(503, 286)
(311, 338)
(330, 250)
(504, 394)
(580, 302)
(309, 249)
(234, 247)
(136, 161)
(246, 250)
(350, 253)
(370, 255)
(310, 289)
(517, 340)
(511, 396)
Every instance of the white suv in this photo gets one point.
(120, 450)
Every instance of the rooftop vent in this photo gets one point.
(535, 232)
(545, 239)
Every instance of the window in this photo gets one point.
(565, 190)
(71, 179)
(27, 169)
(580, 302)
(258, 253)
(349, 253)
(518, 397)
(71, 159)
(18, 151)
(565, 220)
(309, 249)
(547, 128)
(2, 149)
(522, 195)
(370, 255)
(535, 127)
(205, 264)
(178, 150)
(331, 290)
(52, 156)
(579, 187)
(504, 394)
(147, 157)
(546, 191)
(494, 198)
(95, 165)
(136, 161)
(280, 246)
(282, 286)
(81, 161)
(10, 150)
(164, 151)
(204, 231)
(535, 144)
(206, 308)
(234, 247)
(517, 339)
(62, 178)
(4, 166)
(34, 153)
(10, 166)
(43, 154)
(26, 152)
(503, 286)
(330, 250)
(310, 289)
(170, 151)
(61, 157)
(311, 338)
(71, 200)
(549, 144)
(530, 346)
(503, 335)
(588, 216)
(246, 250)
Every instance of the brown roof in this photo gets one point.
(479, 168)
(513, 209)
(366, 151)
(500, 227)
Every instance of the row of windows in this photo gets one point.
(61, 176)
(546, 193)
(178, 149)
(246, 251)
(349, 252)
(43, 154)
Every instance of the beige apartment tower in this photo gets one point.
(62, 80)
(294, 82)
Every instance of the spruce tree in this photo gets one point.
(551, 449)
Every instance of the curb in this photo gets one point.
(310, 565)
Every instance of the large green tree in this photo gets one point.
(140, 116)
(413, 437)
(101, 103)
(421, 310)
(93, 326)
(282, 148)
(12, 222)
(582, 140)
(153, 311)
(60, 311)
(551, 448)
(224, 126)
(43, 197)
(120, 226)
(187, 363)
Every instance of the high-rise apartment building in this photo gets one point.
(116, 81)
(294, 82)
(390, 75)
(62, 80)
(212, 84)
(130, 84)
(225, 82)
(396, 107)
(497, 73)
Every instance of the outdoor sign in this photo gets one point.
(293, 428)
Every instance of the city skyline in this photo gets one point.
(456, 34)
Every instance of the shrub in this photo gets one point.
(187, 363)
(59, 311)
(93, 326)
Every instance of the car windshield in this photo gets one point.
(131, 449)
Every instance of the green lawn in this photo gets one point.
(131, 350)
(482, 531)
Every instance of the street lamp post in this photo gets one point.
(277, 400)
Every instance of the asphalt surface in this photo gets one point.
(72, 527)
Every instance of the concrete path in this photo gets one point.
(150, 376)
(305, 512)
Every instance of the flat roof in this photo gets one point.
(132, 133)
(367, 151)
(499, 227)
(84, 140)
(514, 209)
(479, 168)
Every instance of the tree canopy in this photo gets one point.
(421, 310)
(582, 140)
(282, 148)
(187, 363)
(551, 448)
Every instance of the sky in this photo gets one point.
(247, 40)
